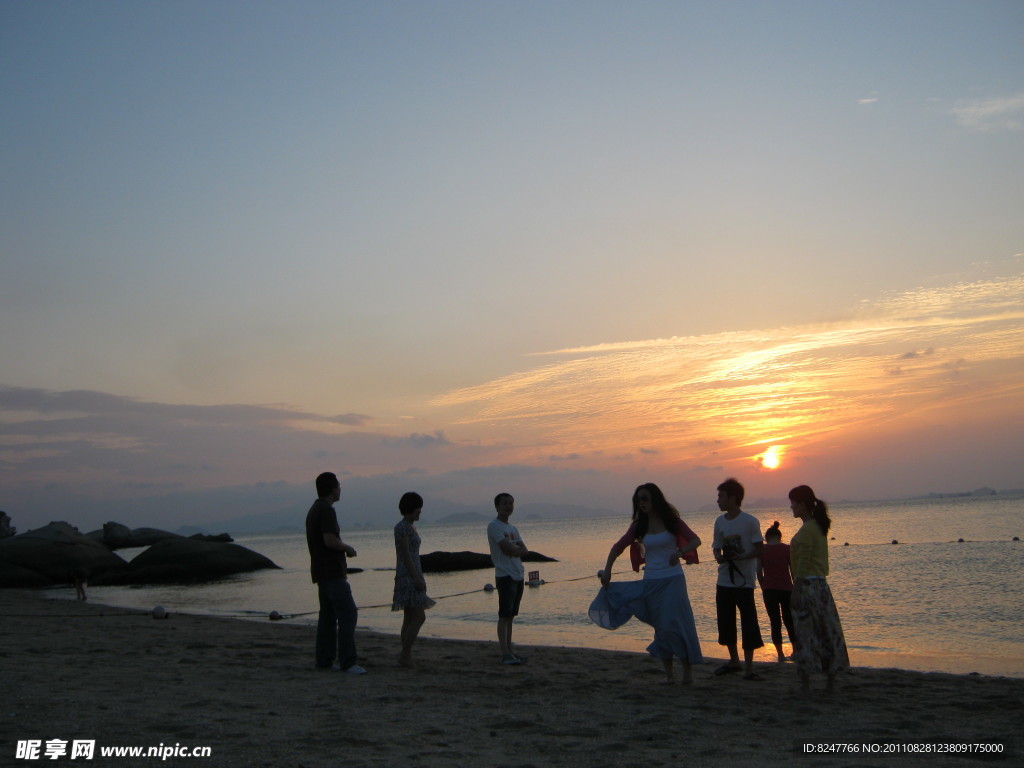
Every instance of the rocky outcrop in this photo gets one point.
(183, 561)
(17, 576)
(118, 536)
(49, 554)
(221, 537)
(443, 562)
(6, 529)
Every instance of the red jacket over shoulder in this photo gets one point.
(683, 536)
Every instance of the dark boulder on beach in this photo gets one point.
(48, 555)
(184, 561)
(6, 529)
(23, 578)
(443, 562)
(221, 537)
(112, 535)
(118, 536)
(141, 537)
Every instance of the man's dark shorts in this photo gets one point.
(510, 594)
(727, 600)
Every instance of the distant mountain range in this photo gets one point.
(356, 512)
(291, 519)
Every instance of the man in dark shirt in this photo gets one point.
(336, 627)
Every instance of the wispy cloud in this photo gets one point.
(698, 403)
(787, 385)
(47, 404)
(94, 442)
(999, 114)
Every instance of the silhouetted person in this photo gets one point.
(507, 551)
(336, 625)
(737, 546)
(79, 577)
(410, 587)
(657, 539)
(822, 646)
(776, 582)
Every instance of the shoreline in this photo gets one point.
(928, 661)
(248, 690)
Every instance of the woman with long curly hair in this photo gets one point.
(659, 540)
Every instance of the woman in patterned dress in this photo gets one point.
(410, 586)
(822, 646)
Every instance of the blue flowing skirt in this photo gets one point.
(662, 603)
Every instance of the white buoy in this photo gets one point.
(159, 612)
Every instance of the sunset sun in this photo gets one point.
(772, 457)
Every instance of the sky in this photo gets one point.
(552, 248)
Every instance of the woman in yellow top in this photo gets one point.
(822, 645)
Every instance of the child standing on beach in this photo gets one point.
(773, 574)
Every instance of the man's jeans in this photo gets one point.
(337, 624)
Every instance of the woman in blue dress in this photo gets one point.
(659, 540)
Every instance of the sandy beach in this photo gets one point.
(248, 691)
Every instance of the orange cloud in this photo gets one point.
(926, 350)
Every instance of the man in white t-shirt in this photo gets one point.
(737, 545)
(507, 549)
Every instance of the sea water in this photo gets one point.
(929, 602)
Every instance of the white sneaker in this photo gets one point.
(355, 669)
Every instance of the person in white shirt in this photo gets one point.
(737, 546)
(507, 550)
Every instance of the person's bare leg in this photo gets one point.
(505, 635)
(413, 621)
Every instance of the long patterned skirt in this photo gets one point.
(822, 647)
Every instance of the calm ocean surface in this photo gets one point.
(929, 603)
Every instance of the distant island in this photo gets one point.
(977, 492)
(362, 513)
(764, 503)
(459, 518)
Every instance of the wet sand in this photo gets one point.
(248, 690)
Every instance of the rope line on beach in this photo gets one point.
(277, 616)
(445, 597)
(542, 583)
(73, 615)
